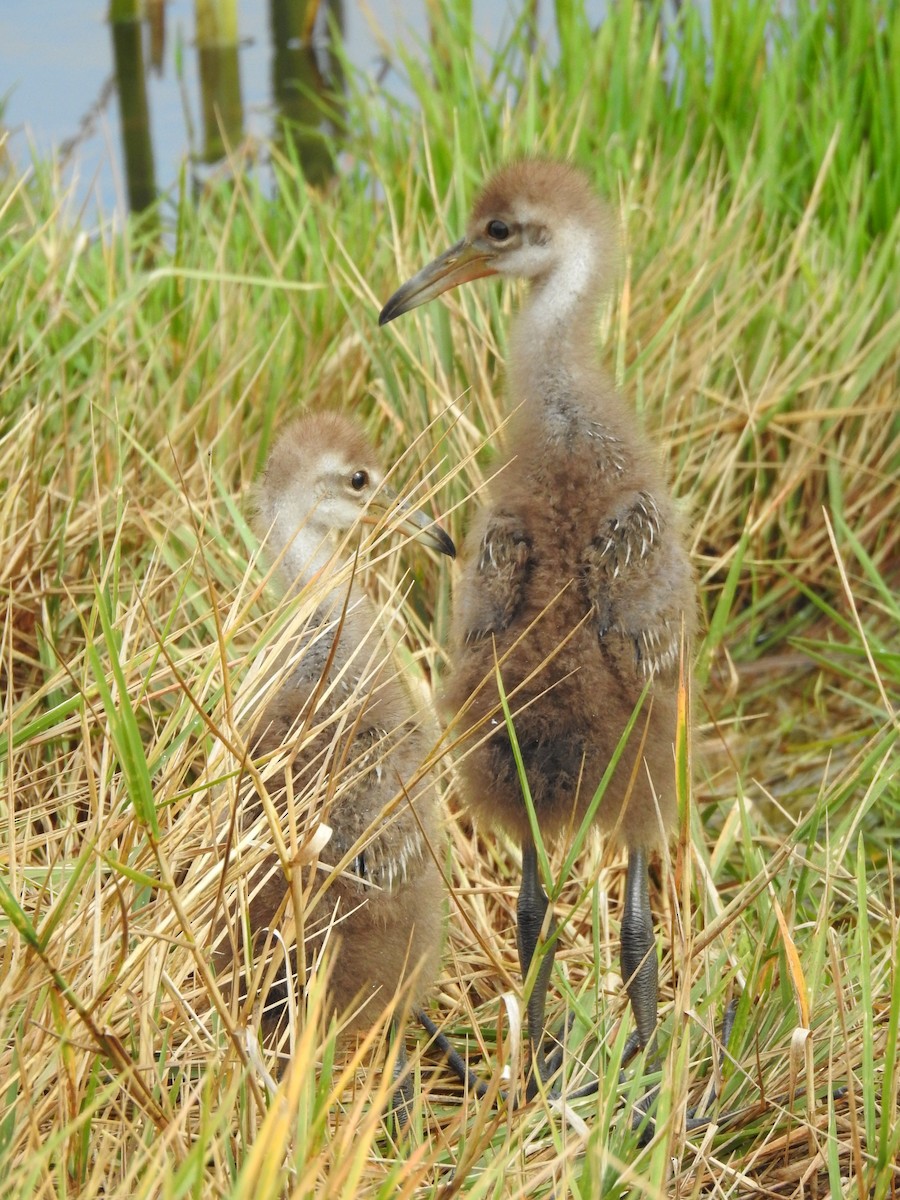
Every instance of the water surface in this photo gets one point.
(121, 106)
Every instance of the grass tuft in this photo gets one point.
(142, 379)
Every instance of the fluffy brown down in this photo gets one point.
(575, 576)
(355, 744)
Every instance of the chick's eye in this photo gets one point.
(359, 480)
(498, 230)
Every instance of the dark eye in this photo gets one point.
(359, 480)
(498, 230)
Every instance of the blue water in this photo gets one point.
(58, 80)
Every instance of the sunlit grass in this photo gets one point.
(756, 328)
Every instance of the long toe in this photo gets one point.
(455, 1060)
(698, 1117)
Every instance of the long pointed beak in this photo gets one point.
(411, 521)
(459, 264)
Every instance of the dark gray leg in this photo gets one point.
(401, 1101)
(639, 948)
(531, 910)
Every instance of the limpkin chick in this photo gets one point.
(354, 740)
(576, 579)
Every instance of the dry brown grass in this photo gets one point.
(137, 627)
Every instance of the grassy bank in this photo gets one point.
(757, 329)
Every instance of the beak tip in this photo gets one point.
(443, 542)
(393, 308)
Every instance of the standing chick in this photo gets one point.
(576, 580)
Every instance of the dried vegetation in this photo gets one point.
(757, 329)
